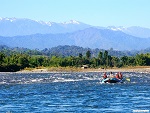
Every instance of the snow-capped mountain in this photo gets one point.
(134, 31)
(15, 27)
(7, 19)
(71, 22)
(23, 26)
(114, 28)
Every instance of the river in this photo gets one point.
(73, 93)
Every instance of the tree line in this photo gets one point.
(17, 61)
(67, 50)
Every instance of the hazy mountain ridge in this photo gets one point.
(106, 39)
(90, 37)
(67, 50)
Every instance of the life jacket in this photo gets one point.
(120, 75)
(117, 76)
(104, 76)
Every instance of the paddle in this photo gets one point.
(128, 79)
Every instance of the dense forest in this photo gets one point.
(67, 50)
(15, 60)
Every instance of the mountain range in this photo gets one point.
(39, 34)
(15, 27)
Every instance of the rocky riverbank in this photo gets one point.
(139, 69)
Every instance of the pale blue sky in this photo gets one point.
(95, 12)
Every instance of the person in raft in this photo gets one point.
(111, 75)
(104, 75)
(119, 75)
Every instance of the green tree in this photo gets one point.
(94, 62)
(23, 61)
(131, 61)
(33, 62)
(124, 60)
(109, 61)
(100, 58)
(2, 57)
(55, 61)
(147, 59)
(142, 59)
(115, 62)
(105, 59)
(80, 55)
(88, 54)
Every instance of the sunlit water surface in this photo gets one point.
(72, 93)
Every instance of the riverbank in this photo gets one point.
(140, 69)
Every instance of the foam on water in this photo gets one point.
(30, 78)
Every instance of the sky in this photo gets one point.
(94, 12)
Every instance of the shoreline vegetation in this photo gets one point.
(139, 69)
(103, 62)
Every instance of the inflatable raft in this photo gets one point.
(112, 80)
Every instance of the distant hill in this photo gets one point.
(87, 38)
(69, 51)
(76, 50)
(106, 39)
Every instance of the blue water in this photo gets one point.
(72, 93)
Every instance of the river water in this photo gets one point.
(73, 93)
